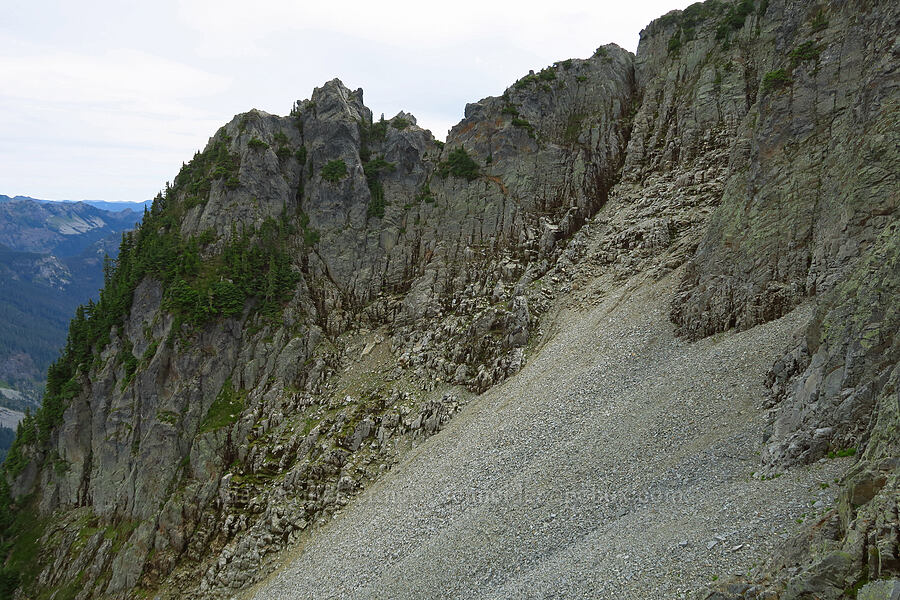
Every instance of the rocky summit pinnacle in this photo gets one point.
(629, 333)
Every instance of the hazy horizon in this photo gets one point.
(86, 200)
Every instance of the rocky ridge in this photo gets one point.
(424, 272)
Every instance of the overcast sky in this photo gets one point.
(105, 100)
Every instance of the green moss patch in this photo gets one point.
(225, 409)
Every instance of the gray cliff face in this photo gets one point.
(813, 170)
(755, 153)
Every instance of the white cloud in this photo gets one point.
(231, 28)
(123, 75)
(99, 124)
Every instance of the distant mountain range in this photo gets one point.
(59, 228)
(51, 260)
(102, 204)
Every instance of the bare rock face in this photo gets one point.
(813, 178)
(826, 390)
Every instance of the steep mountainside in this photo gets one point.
(316, 294)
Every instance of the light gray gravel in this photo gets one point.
(617, 464)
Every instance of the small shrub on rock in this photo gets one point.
(334, 170)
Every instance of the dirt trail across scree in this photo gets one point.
(616, 465)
